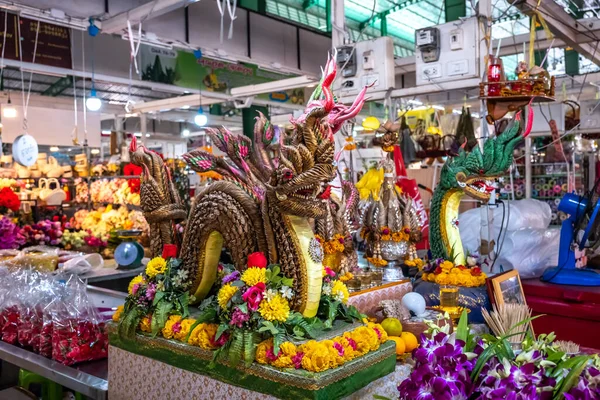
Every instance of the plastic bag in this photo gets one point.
(77, 335)
(524, 214)
(80, 265)
(10, 309)
(30, 313)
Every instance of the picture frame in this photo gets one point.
(507, 288)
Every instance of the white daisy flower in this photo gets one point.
(326, 290)
(338, 296)
(286, 292)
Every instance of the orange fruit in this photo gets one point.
(410, 341)
(400, 346)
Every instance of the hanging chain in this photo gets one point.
(26, 102)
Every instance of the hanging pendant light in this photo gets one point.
(200, 119)
(93, 103)
(9, 111)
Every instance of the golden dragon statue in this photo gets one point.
(263, 203)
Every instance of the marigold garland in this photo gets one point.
(346, 277)
(417, 262)
(378, 262)
(449, 274)
(320, 356)
(332, 246)
(117, 315)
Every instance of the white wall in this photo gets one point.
(51, 126)
(273, 41)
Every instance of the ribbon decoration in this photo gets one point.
(134, 49)
(231, 7)
(535, 18)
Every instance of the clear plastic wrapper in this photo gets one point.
(78, 334)
(9, 316)
(29, 323)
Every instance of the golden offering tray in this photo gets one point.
(515, 94)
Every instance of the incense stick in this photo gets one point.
(505, 317)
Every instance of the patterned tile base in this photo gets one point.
(135, 377)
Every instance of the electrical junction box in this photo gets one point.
(448, 52)
(374, 65)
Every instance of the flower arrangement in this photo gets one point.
(350, 144)
(332, 246)
(247, 316)
(160, 292)
(444, 272)
(10, 234)
(460, 366)
(114, 191)
(44, 232)
(73, 239)
(9, 201)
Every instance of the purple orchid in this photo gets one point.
(234, 276)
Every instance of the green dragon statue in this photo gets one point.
(473, 173)
(269, 191)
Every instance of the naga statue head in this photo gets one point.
(290, 171)
(474, 172)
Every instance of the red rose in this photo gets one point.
(254, 295)
(461, 267)
(169, 251)
(341, 240)
(438, 270)
(386, 231)
(406, 230)
(329, 272)
(475, 271)
(257, 259)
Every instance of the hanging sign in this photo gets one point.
(53, 47)
(25, 150)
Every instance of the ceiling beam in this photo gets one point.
(563, 25)
(152, 9)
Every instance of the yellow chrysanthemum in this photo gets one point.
(381, 333)
(136, 280)
(203, 336)
(146, 324)
(117, 315)
(254, 275)
(225, 294)
(167, 331)
(340, 291)
(278, 309)
(378, 262)
(156, 266)
(184, 330)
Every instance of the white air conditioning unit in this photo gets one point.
(370, 62)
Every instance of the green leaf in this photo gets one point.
(268, 326)
(299, 332)
(462, 330)
(238, 284)
(129, 323)
(289, 282)
(184, 301)
(276, 270)
(378, 397)
(160, 316)
(572, 377)
(483, 358)
(332, 313)
(250, 342)
(243, 308)
(268, 275)
(277, 340)
(236, 349)
(158, 297)
(220, 330)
